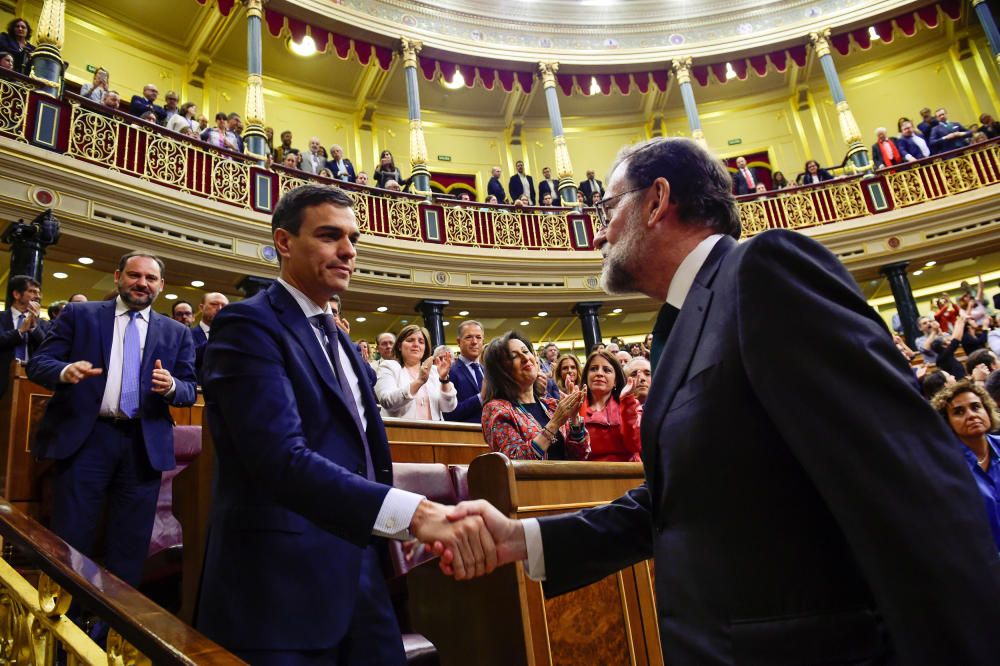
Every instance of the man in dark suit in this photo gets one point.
(467, 374)
(548, 186)
(340, 166)
(927, 123)
(21, 329)
(303, 468)
(885, 152)
(789, 508)
(210, 305)
(520, 183)
(744, 181)
(495, 187)
(947, 135)
(146, 102)
(115, 368)
(590, 187)
(911, 146)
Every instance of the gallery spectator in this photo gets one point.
(185, 117)
(927, 123)
(392, 186)
(340, 166)
(948, 135)
(142, 104)
(988, 126)
(494, 187)
(812, 173)
(150, 117)
(98, 88)
(220, 136)
(17, 42)
(170, 105)
(112, 100)
(744, 181)
(885, 153)
(313, 160)
(521, 184)
(6, 60)
(285, 148)
(548, 186)
(387, 171)
(978, 137)
(591, 186)
(269, 140)
(779, 181)
(911, 145)
(235, 125)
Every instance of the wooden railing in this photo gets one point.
(81, 129)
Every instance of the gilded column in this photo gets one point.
(564, 167)
(46, 63)
(682, 72)
(982, 9)
(253, 135)
(421, 175)
(856, 150)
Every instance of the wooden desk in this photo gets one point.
(504, 619)
(434, 441)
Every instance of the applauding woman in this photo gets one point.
(417, 385)
(517, 420)
(611, 411)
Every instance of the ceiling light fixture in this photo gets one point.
(730, 72)
(543, 314)
(463, 313)
(616, 311)
(873, 34)
(60, 275)
(361, 319)
(525, 323)
(930, 263)
(382, 308)
(170, 297)
(446, 323)
(304, 49)
(86, 261)
(595, 89)
(197, 283)
(917, 272)
(457, 80)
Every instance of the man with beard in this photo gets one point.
(115, 368)
(789, 509)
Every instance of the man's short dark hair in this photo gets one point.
(56, 308)
(288, 213)
(336, 299)
(981, 356)
(140, 253)
(173, 308)
(221, 115)
(699, 184)
(993, 385)
(22, 283)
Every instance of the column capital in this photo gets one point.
(564, 167)
(548, 71)
(410, 49)
(848, 125)
(976, 3)
(821, 42)
(255, 8)
(51, 23)
(682, 69)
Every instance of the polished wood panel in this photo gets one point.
(434, 441)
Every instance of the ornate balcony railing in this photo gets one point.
(83, 130)
(49, 575)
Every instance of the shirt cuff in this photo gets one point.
(534, 566)
(396, 514)
(169, 395)
(62, 373)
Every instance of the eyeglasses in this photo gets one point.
(604, 208)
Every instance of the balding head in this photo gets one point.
(210, 305)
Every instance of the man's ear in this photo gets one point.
(282, 238)
(656, 205)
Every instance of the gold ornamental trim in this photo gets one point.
(254, 110)
(821, 42)
(564, 166)
(255, 8)
(52, 23)
(682, 70)
(698, 135)
(418, 146)
(848, 125)
(410, 48)
(548, 71)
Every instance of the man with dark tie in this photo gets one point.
(303, 470)
(744, 181)
(340, 166)
(789, 509)
(114, 367)
(520, 183)
(142, 104)
(467, 374)
(548, 186)
(591, 187)
(911, 145)
(21, 329)
(495, 187)
(947, 135)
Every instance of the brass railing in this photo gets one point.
(14, 91)
(40, 576)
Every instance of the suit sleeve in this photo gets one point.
(394, 398)
(48, 361)
(246, 381)
(185, 378)
(887, 466)
(468, 406)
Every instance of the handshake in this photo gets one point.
(472, 538)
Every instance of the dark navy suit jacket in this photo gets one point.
(495, 187)
(907, 146)
(10, 340)
(83, 332)
(516, 189)
(141, 105)
(469, 408)
(797, 514)
(293, 509)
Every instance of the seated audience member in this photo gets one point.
(945, 348)
(392, 186)
(609, 410)
(744, 180)
(947, 135)
(635, 349)
(522, 201)
(202, 124)
(761, 188)
(185, 117)
(416, 385)
(6, 60)
(639, 371)
(993, 338)
(491, 199)
(142, 104)
(992, 385)
(340, 166)
(911, 145)
(885, 152)
(291, 161)
(387, 171)
(313, 160)
(517, 420)
(149, 117)
(98, 88)
(16, 42)
(596, 198)
(779, 181)
(813, 174)
(972, 415)
(187, 131)
(547, 201)
(581, 199)
(220, 136)
(933, 381)
(929, 329)
(464, 196)
(112, 100)
(285, 148)
(978, 137)
(325, 173)
(946, 313)
(235, 125)
(623, 357)
(980, 363)
(55, 309)
(362, 178)
(988, 126)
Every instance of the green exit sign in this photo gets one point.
(735, 142)
(91, 68)
(444, 158)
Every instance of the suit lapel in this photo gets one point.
(106, 321)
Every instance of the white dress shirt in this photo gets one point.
(396, 514)
(206, 328)
(921, 144)
(677, 293)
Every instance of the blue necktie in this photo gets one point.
(661, 332)
(128, 403)
(20, 353)
(477, 370)
(327, 324)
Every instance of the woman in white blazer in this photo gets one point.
(417, 385)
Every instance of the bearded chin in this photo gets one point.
(615, 277)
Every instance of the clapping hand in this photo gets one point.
(443, 364)
(569, 405)
(628, 388)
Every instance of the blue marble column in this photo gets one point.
(564, 167)
(45, 63)
(254, 139)
(906, 306)
(982, 9)
(857, 152)
(421, 175)
(682, 73)
(589, 323)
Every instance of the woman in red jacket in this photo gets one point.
(610, 411)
